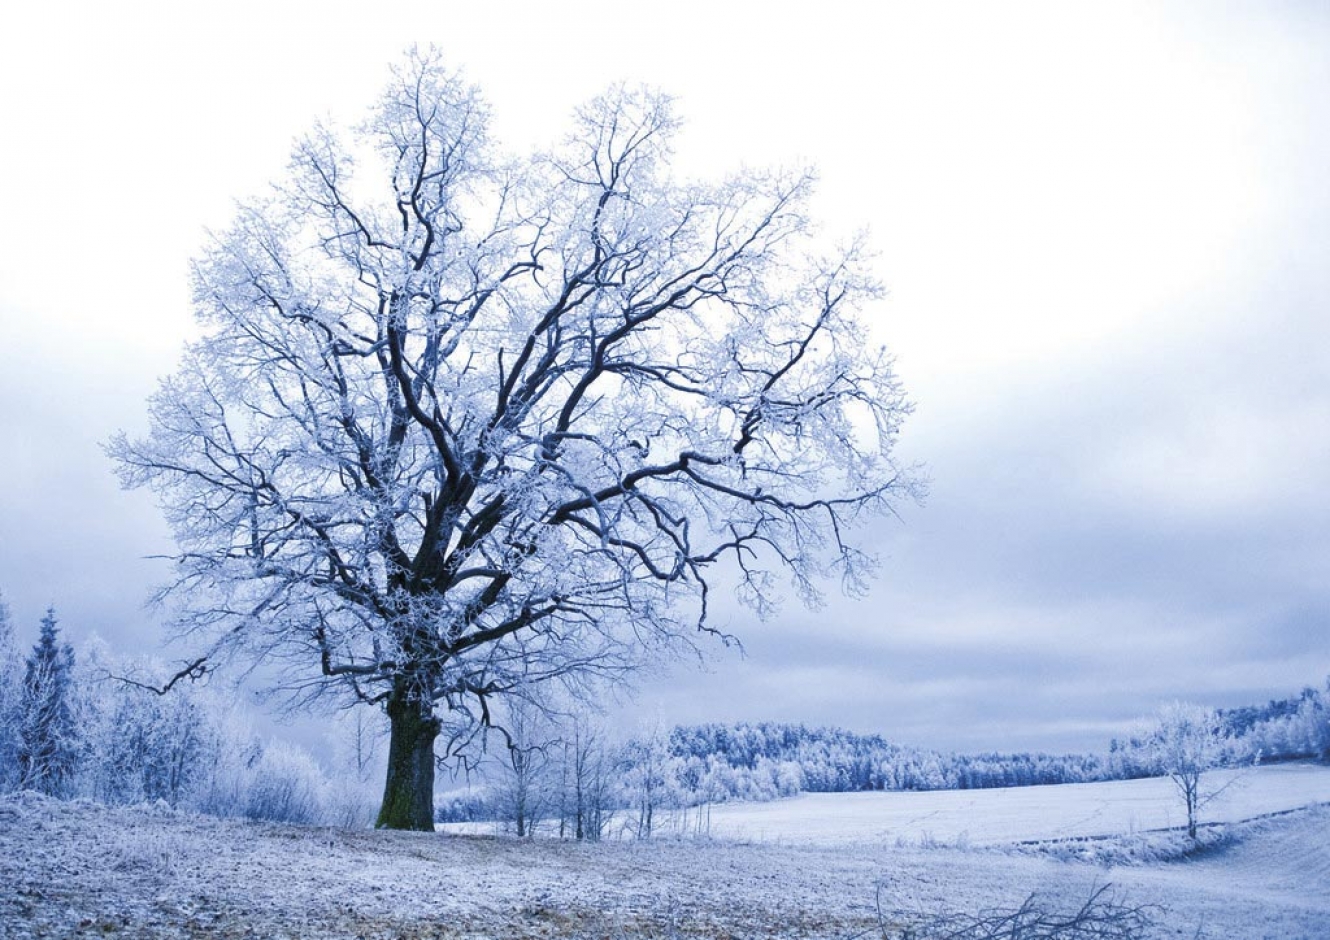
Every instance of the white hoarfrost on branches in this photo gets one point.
(461, 423)
(1187, 741)
(11, 703)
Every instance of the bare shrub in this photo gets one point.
(1103, 916)
(286, 787)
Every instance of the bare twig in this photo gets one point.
(1103, 916)
(193, 671)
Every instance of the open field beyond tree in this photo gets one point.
(1015, 814)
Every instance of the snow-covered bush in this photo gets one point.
(355, 785)
(231, 750)
(140, 746)
(195, 748)
(286, 786)
(524, 786)
(136, 745)
(1312, 723)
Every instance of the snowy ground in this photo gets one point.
(78, 869)
(989, 817)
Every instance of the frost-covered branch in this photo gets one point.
(457, 421)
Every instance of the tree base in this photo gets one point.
(408, 792)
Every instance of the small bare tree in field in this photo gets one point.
(523, 789)
(646, 781)
(1187, 742)
(589, 768)
(460, 423)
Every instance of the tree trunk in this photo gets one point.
(408, 794)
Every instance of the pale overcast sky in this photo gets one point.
(1106, 233)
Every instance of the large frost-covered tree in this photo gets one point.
(459, 422)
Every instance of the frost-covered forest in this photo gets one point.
(759, 761)
(86, 723)
(91, 723)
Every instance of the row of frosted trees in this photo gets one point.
(93, 726)
(557, 771)
(756, 761)
(72, 726)
(832, 760)
(664, 782)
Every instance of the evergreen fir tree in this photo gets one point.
(48, 739)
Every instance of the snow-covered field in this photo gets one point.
(79, 869)
(989, 817)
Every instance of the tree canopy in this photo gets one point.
(460, 422)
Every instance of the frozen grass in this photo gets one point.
(77, 869)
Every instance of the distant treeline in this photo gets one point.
(757, 761)
(1283, 729)
(720, 762)
(663, 781)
